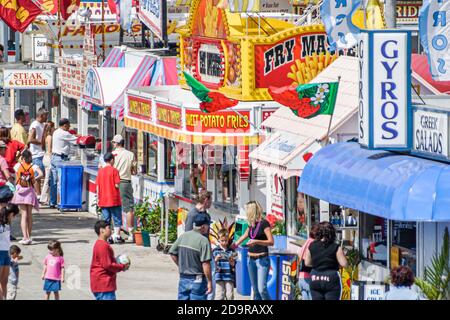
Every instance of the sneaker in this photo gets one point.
(23, 241)
(29, 242)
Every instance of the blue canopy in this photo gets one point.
(382, 183)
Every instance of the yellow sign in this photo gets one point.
(395, 257)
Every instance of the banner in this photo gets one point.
(67, 7)
(434, 35)
(337, 18)
(123, 11)
(19, 14)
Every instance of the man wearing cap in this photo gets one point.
(18, 132)
(125, 162)
(35, 141)
(192, 254)
(108, 195)
(62, 139)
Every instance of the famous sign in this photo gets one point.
(385, 89)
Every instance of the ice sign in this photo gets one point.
(434, 35)
(337, 18)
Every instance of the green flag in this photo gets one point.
(321, 96)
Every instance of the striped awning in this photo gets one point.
(142, 77)
(112, 60)
(190, 138)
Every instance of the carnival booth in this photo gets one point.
(104, 92)
(295, 140)
(390, 204)
(234, 55)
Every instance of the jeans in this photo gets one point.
(105, 295)
(258, 270)
(39, 161)
(54, 178)
(304, 286)
(192, 287)
(115, 213)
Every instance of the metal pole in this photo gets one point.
(103, 31)
(390, 13)
(165, 37)
(166, 239)
(12, 102)
(331, 119)
(59, 29)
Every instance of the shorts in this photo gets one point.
(105, 295)
(39, 161)
(5, 260)
(52, 285)
(126, 195)
(11, 292)
(115, 212)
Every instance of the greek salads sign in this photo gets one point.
(385, 89)
(431, 132)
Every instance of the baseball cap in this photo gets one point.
(2, 144)
(201, 219)
(117, 138)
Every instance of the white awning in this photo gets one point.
(283, 154)
(302, 136)
(104, 85)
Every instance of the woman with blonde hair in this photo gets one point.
(260, 239)
(47, 137)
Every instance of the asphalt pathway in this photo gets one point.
(152, 276)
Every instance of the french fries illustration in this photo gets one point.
(304, 71)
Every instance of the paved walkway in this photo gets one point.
(152, 275)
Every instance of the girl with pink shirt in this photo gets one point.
(304, 277)
(53, 273)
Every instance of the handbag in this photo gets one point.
(303, 267)
(5, 193)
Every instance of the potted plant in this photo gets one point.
(435, 284)
(144, 211)
(172, 230)
(353, 260)
(279, 235)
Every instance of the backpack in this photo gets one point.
(25, 176)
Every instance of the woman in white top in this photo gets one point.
(47, 139)
(6, 215)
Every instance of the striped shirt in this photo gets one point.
(224, 271)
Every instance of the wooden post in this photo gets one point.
(59, 29)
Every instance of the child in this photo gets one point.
(25, 196)
(103, 266)
(224, 258)
(108, 181)
(53, 273)
(6, 215)
(13, 280)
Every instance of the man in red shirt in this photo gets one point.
(108, 195)
(103, 266)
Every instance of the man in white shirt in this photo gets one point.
(62, 139)
(35, 141)
(125, 162)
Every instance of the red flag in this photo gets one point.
(67, 7)
(112, 6)
(18, 14)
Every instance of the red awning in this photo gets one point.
(421, 68)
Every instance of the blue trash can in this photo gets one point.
(243, 285)
(70, 186)
(272, 280)
(282, 275)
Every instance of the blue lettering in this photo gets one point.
(342, 38)
(340, 18)
(392, 131)
(443, 42)
(440, 17)
(384, 110)
(441, 66)
(389, 69)
(394, 53)
(341, 3)
(385, 90)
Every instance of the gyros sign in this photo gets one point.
(29, 79)
(388, 98)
